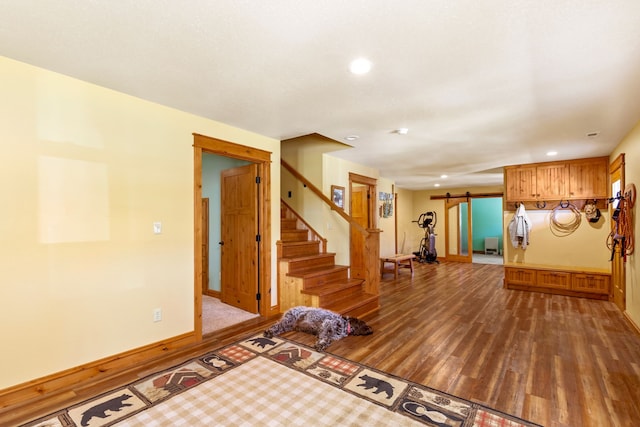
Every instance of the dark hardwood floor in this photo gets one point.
(554, 360)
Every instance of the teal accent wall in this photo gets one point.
(212, 166)
(486, 221)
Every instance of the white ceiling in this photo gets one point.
(479, 84)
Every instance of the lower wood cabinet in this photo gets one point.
(580, 282)
(597, 283)
(553, 279)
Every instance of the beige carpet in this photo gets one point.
(217, 315)
(275, 382)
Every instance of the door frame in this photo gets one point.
(371, 184)
(618, 268)
(451, 202)
(205, 144)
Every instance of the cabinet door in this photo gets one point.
(588, 179)
(596, 283)
(552, 181)
(520, 183)
(554, 279)
(520, 276)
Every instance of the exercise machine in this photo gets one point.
(427, 251)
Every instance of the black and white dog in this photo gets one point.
(327, 325)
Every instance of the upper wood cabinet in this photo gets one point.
(588, 178)
(551, 182)
(573, 179)
(520, 183)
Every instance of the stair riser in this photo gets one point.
(300, 250)
(294, 235)
(340, 294)
(288, 224)
(363, 309)
(312, 282)
(304, 264)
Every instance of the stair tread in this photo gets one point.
(317, 271)
(333, 287)
(308, 257)
(300, 242)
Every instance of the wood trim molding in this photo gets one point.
(96, 371)
(262, 158)
(230, 149)
(633, 324)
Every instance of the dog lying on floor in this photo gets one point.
(327, 325)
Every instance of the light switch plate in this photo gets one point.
(157, 227)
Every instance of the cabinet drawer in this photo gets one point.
(520, 276)
(553, 279)
(595, 283)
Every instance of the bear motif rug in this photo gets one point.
(276, 382)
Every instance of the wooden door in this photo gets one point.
(618, 277)
(239, 231)
(360, 213)
(457, 224)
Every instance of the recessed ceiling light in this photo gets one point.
(360, 66)
(444, 176)
(552, 153)
(436, 185)
(403, 131)
(352, 137)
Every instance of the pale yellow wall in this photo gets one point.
(387, 225)
(630, 146)
(405, 213)
(85, 173)
(586, 247)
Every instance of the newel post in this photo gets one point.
(365, 259)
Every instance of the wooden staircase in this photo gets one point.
(309, 276)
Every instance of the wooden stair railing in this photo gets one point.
(290, 213)
(365, 260)
(324, 198)
(309, 277)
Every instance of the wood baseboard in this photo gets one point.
(631, 322)
(97, 370)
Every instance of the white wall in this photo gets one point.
(85, 173)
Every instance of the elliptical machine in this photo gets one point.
(427, 251)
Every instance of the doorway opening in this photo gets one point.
(231, 224)
(474, 229)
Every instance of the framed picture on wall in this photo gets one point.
(337, 196)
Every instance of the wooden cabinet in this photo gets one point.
(551, 181)
(555, 181)
(553, 279)
(520, 183)
(588, 179)
(597, 283)
(580, 282)
(520, 276)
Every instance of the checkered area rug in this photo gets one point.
(275, 382)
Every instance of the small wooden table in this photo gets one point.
(398, 261)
